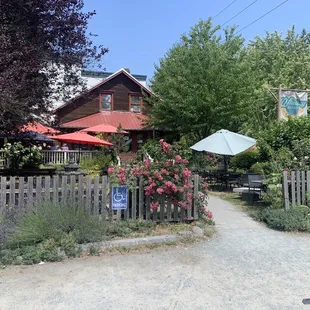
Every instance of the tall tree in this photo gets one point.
(43, 45)
(201, 82)
(275, 59)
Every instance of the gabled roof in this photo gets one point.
(121, 71)
(128, 120)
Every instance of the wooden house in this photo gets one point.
(112, 98)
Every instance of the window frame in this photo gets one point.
(130, 101)
(112, 100)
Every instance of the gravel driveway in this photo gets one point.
(246, 266)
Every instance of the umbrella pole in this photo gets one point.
(226, 170)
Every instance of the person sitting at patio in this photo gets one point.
(54, 147)
(65, 147)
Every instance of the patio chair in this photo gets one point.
(255, 186)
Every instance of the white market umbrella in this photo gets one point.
(224, 142)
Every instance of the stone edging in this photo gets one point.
(196, 232)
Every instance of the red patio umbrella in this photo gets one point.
(80, 138)
(104, 128)
(39, 128)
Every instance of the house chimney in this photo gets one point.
(128, 70)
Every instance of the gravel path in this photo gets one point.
(246, 266)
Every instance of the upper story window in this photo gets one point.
(135, 103)
(106, 100)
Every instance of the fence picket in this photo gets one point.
(72, 189)
(196, 183)
(88, 202)
(308, 188)
(21, 192)
(175, 213)
(141, 198)
(126, 212)
(104, 197)
(169, 209)
(155, 214)
(38, 189)
(147, 208)
(134, 201)
(55, 189)
(64, 191)
(81, 191)
(47, 189)
(303, 188)
(12, 192)
(162, 208)
(96, 195)
(298, 187)
(285, 191)
(3, 195)
(293, 188)
(30, 191)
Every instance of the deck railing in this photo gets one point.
(58, 157)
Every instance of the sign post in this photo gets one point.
(280, 103)
(119, 197)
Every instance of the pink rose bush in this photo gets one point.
(167, 178)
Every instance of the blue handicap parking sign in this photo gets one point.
(119, 198)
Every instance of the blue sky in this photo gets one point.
(138, 33)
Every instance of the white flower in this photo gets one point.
(295, 158)
(306, 157)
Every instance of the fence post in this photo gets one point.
(285, 191)
(196, 183)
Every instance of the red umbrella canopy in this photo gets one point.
(105, 128)
(39, 128)
(81, 138)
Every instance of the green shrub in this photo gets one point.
(282, 134)
(69, 246)
(48, 251)
(294, 219)
(96, 164)
(49, 220)
(245, 160)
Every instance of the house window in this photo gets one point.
(135, 103)
(106, 102)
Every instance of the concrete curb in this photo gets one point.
(140, 241)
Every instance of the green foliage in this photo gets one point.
(48, 221)
(294, 219)
(283, 134)
(96, 164)
(69, 246)
(181, 147)
(244, 160)
(20, 156)
(196, 81)
(275, 59)
(48, 251)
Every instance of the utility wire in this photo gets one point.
(223, 10)
(239, 13)
(256, 20)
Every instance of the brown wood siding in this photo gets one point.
(78, 109)
(121, 86)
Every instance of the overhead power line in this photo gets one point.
(239, 13)
(256, 20)
(218, 14)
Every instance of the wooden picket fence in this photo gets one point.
(93, 194)
(296, 186)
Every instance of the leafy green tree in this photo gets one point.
(274, 59)
(200, 83)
